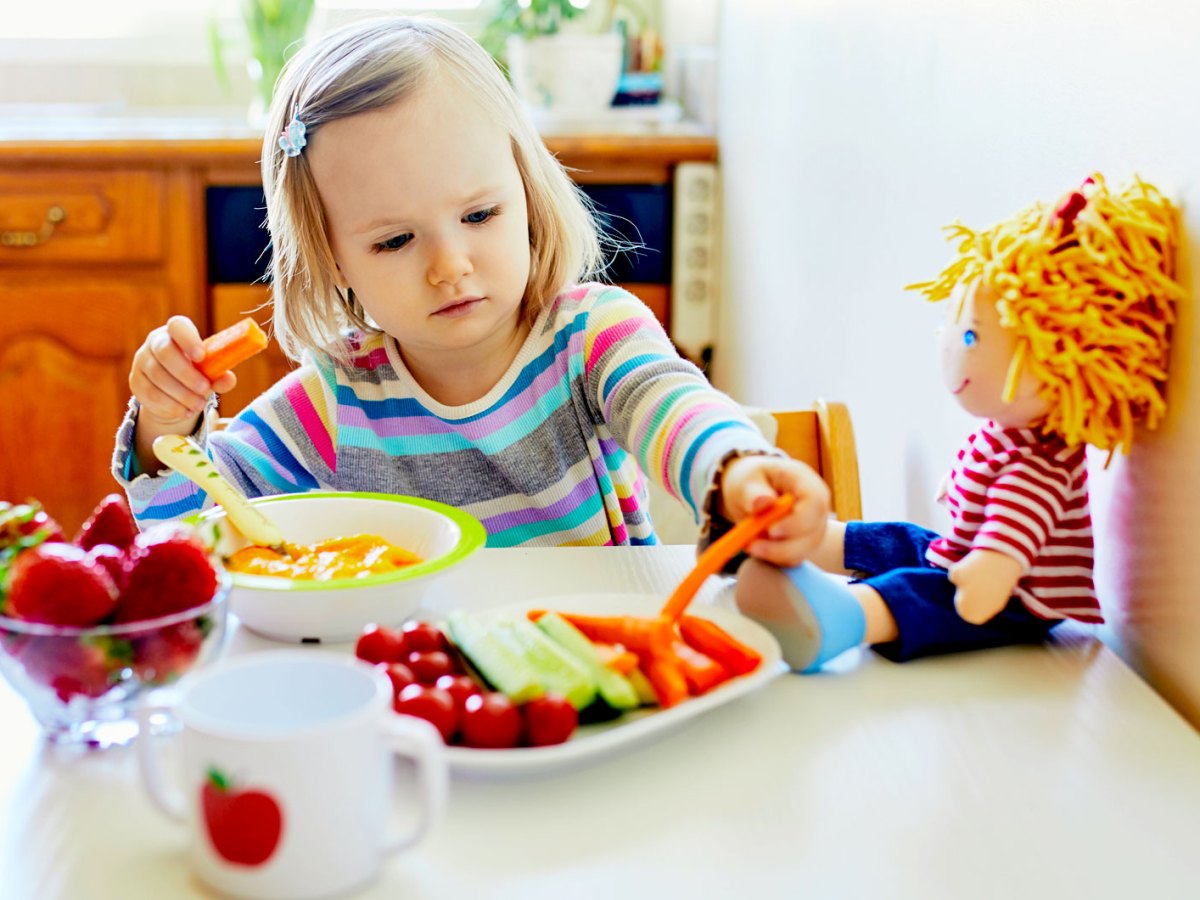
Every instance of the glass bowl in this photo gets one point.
(82, 684)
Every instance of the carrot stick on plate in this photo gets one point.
(702, 673)
(717, 644)
(636, 633)
(231, 346)
(666, 678)
(616, 657)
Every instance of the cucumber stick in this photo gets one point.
(559, 670)
(504, 667)
(612, 686)
(518, 659)
(642, 687)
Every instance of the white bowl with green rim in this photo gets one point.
(338, 609)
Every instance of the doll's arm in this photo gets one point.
(985, 579)
(1023, 504)
(943, 488)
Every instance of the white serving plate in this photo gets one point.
(597, 741)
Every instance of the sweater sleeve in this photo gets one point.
(281, 443)
(657, 405)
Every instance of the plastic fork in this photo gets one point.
(186, 457)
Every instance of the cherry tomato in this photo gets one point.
(549, 719)
(401, 676)
(490, 720)
(379, 645)
(430, 665)
(422, 637)
(460, 687)
(431, 704)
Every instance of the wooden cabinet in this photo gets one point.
(65, 348)
(74, 216)
(102, 241)
(92, 257)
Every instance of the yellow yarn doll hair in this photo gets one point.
(1088, 287)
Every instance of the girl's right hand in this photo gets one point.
(169, 388)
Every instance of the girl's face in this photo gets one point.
(426, 215)
(976, 353)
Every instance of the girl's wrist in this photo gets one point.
(147, 430)
(715, 520)
(727, 476)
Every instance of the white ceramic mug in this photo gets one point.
(287, 772)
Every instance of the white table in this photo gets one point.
(1023, 772)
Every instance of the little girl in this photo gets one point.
(426, 250)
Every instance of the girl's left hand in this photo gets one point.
(752, 483)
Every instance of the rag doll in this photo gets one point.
(1056, 336)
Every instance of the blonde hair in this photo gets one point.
(365, 66)
(1088, 289)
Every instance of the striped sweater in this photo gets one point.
(1024, 494)
(552, 455)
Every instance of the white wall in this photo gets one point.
(851, 131)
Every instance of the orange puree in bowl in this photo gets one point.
(347, 557)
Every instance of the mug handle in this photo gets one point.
(422, 742)
(169, 800)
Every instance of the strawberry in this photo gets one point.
(22, 526)
(110, 523)
(26, 525)
(71, 666)
(112, 560)
(58, 585)
(166, 572)
(162, 655)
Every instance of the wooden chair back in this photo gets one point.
(823, 437)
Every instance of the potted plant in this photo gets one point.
(273, 31)
(564, 56)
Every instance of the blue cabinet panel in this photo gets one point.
(637, 216)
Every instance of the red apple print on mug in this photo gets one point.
(243, 825)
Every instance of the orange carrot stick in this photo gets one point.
(701, 672)
(666, 679)
(616, 657)
(613, 655)
(712, 640)
(636, 633)
(230, 346)
(722, 550)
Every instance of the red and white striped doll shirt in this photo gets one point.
(1024, 494)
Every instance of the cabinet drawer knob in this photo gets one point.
(54, 215)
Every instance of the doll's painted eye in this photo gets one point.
(970, 337)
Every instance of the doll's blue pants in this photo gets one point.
(890, 557)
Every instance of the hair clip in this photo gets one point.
(1072, 206)
(292, 140)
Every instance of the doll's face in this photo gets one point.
(976, 352)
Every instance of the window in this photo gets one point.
(150, 31)
(133, 55)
